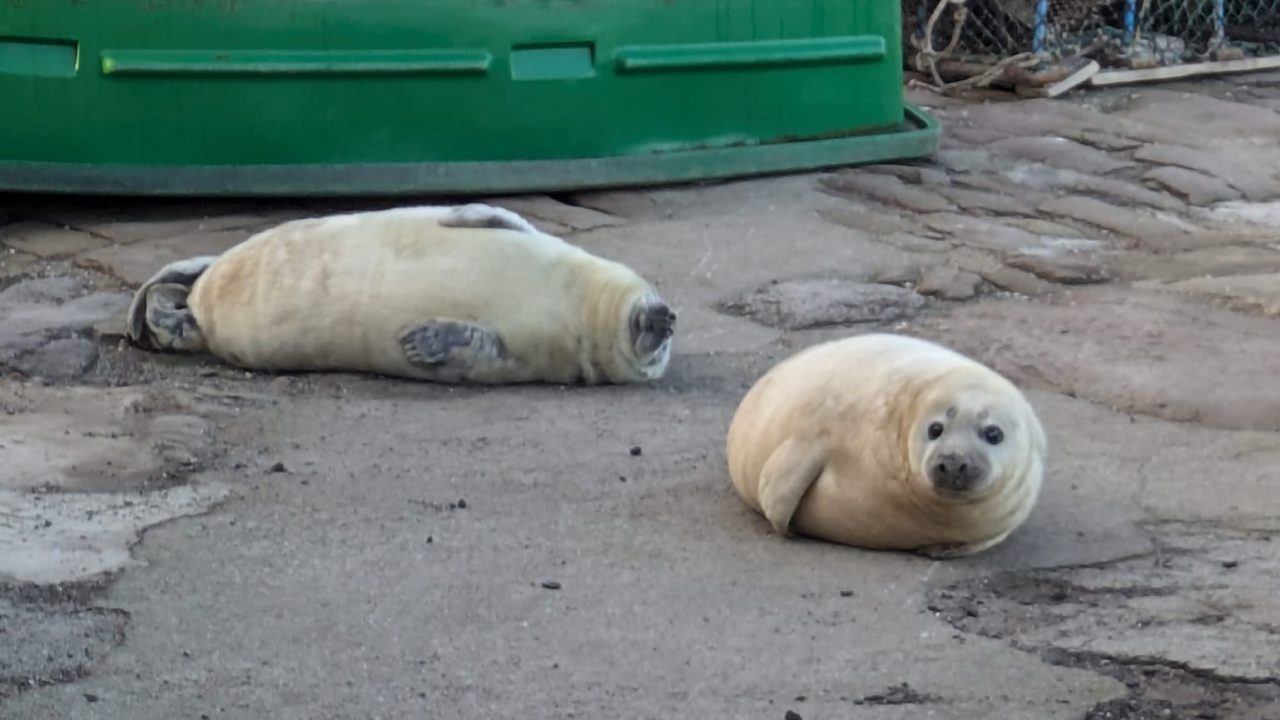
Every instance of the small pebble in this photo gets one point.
(635, 451)
(846, 593)
(278, 468)
(90, 697)
(622, 478)
(430, 539)
(550, 584)
(462, 504)
(1230, 563)
(792, 715)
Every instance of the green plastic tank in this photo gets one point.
(349, 97)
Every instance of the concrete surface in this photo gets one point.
(340, 546)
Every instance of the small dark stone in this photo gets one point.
(430, 539)
(792, 715)
(1230, 563)
(622, 478)
(800, 698)
(635, 451)
(462, 504)
(1058, 595)
(846, 593)
(278, 468)
(90, 697)
(550, 584)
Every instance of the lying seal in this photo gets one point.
(470, 293)
(888, 442)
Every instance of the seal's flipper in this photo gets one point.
(171, 315)
(170, 324)
(479, 215)
(452, 345)
(786, 477)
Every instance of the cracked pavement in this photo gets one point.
(183, 539)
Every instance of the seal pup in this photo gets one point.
(469, 293)
(888, 442)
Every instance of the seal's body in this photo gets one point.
(451, 294)
(888, 442)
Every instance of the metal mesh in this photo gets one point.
(1114, 32)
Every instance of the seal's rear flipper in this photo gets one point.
(159, 317)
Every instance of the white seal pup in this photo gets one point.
(469, 293)
(888, 442)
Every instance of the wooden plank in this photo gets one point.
(1123, 77)
(1084, 74)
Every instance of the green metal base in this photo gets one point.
(916, 137)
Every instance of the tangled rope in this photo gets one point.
(926, 58)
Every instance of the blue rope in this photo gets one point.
(1130, 21)
(1042, 20)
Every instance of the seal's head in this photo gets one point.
(632, 327)
(653, 323)
(971, 437)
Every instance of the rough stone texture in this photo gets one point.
(1124, 193)
(1143, 227)
(44, 644)
(948, 283)
(800, 304)
(1247, 293)
(889, 190)
(45, 240)
(1133, 352)
(555, 217)
(1060, 152)
(1255, 182)
(988, 202)
(1195, 187)
(65, 359)
(35, 310)
(1059, 268)
(133, 263)
(618, 203)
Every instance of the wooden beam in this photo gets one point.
(1124, 77)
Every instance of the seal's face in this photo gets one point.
(963, 444)
(652, 325)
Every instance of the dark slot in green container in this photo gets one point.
(310, 97)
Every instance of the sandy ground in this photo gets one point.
(185, 540)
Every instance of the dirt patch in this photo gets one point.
(53, 634)
(1181, 627)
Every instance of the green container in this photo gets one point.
(309, 97)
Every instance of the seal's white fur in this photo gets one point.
(339, 292)
(831, 443)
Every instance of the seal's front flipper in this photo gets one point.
(451, 347)
(786, 477)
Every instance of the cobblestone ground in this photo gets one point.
(337, 546)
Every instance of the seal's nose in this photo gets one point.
(957, 472)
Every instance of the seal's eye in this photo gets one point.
(993, 434)
(935, 430)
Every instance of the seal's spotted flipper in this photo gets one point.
(479, 215)
(454, 348)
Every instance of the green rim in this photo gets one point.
(917, 137)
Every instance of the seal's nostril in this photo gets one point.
(962, 469)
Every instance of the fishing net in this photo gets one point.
(1116, 33)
